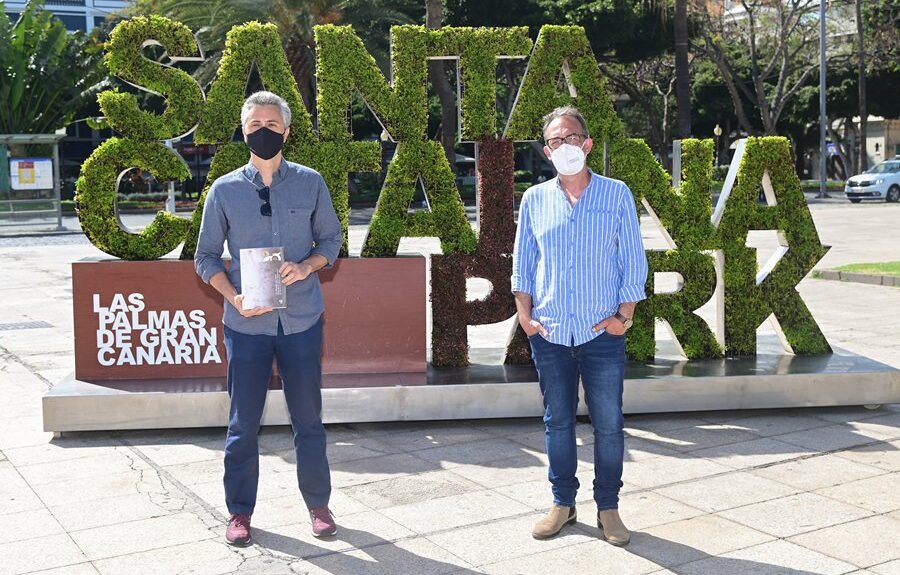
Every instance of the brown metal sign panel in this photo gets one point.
(158, 320)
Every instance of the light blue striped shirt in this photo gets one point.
(578, 262)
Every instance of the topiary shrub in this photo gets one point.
(685, 215)
(492, 260)
(344, 66)
(750, 298)
(95, 199)
(124, 58)
(477, 50)
(446, 219)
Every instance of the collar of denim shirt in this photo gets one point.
(252, 173)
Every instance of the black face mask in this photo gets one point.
(265, 143)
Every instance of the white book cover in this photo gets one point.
(260, 281)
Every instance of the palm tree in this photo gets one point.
(47, 75)
(437, 73)
(294, 18)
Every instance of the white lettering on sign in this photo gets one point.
(130, 334)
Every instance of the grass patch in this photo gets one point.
(883, 268)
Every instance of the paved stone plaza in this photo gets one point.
(787, 492)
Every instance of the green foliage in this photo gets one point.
(47, 75)
(228, 158)
(699, 274)
(447, 218)
(294, 19)
(335, 161)
(878, 268)
(620, 30)
(555, 47)
(478, 50)
(747, 304)
(332, 160)
(125, 59)
(344, 65)
(95, 199)
(252, 44)
(259, 45)
(685, 215)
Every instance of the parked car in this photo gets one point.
(880, 182)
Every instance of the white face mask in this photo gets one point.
(568, 159)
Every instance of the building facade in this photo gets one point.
(82, 15)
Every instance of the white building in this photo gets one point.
(81, 15)
(882, 138)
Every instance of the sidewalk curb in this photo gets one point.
(871, 279)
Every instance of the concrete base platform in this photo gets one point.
(485, 389)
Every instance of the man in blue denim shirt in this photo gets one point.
(271, 202)
(579, 269)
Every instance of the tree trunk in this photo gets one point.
(682, 70)
(863, 107)
(437, 74)
(730, 85)
(303, 63)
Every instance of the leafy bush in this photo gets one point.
(47, 74)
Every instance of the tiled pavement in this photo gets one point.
(787, 492)
(711, 493)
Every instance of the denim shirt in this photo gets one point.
(303, 220)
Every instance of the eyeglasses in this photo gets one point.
(266, 208)
(574, 139)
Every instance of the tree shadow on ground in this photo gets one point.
(686, 560)
(785, 433)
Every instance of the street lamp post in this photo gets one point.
(823, 117)
(717, 131)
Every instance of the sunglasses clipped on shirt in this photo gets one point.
(266, 208)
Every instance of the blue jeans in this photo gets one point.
(249, 370)
(601, 365)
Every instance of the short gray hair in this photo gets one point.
(562, 111)
(266, 99)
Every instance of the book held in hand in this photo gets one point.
(260, 281)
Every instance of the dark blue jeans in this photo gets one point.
(249, 370)
(601, 365)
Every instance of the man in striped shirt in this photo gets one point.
(579, 269)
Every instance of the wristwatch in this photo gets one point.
(626, 321)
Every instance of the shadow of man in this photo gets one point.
(355, 552)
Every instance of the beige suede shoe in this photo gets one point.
(612, 529)
(558, 517)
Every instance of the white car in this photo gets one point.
(880, 182)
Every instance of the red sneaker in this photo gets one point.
(238, 531)
(322, 520)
